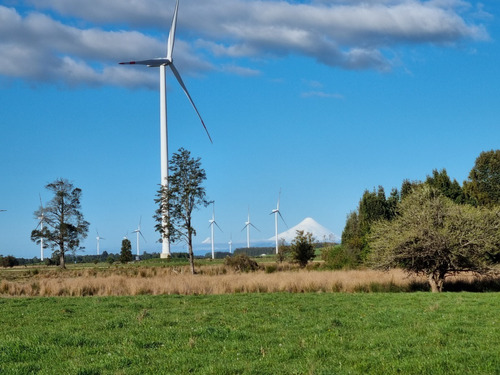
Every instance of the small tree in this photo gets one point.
(302, 248)
(483, 186)
(65, 226)
(184, 194)
(436, 237)
(126, 253)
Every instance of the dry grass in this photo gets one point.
(215, 279)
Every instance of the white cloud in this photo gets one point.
(91, 36)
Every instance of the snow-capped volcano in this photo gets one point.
(308, 225)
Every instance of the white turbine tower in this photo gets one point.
(247, 226)
(211, 225)
(40, 224)
(162, 63)
(138, 232)
(98, 238)
(230, 243)
(277, 212)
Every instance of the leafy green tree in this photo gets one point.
(436, 237)
(126, 251)
(351, 235)
(442, 182)
(302, 248)
(483, 186)
(185, 193)
(64, 225)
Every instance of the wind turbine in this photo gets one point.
(98, 238)
(138, 232)
(277, 212)
(248, 224)
(211, 225)
(162, 63)
(40, 224)
(230, 243)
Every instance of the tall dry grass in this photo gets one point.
(211, 280)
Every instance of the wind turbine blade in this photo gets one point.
(179, 79)
(218, 227)
(171, 35)
(254, 227)
(283, 219)
(142, 236)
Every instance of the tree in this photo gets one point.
(483, 186)
(9, 261)
(302, 248)
(126, 252)
(177, 201)
(65, 226)
(436, 237)
(442, 182)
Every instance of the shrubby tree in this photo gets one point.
(64, 225)
(436, 237)
(302, 248)
(126, 251)
(185, 193)
(483, 186)
(9, 261)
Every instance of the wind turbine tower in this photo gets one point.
(162, 63)
(40, 224)
(138, 232)
(98, 238)
(212, 223)
(248, 224)
(277, 212)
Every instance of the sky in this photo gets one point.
(321, 99)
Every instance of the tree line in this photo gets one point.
(435, 227)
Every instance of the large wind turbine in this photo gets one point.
(98, 238)
(277, 212)
(162, 63)
(212, 223)
(248, 224)
(40, 224)
(138, 232)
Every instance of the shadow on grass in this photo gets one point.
(479, 285)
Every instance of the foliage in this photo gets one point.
(241, 263)
(302, 248)
(9, 261)
(483, 186)
(177, 201)
(436, 237)
(64, 225)
(340, 257)
(442, 182)
(283, 251)
(126, 252)
(372, 206)
(379, 334)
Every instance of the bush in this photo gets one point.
(241, 263)
(340, 257)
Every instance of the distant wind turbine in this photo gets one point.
(40, 224)
(212, 223)
(277, 212)
(98, 238)
(138, 232)
(162, 63)
(247, 226)
(230, 243)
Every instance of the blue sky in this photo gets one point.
(321, 99)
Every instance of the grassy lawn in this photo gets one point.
(404, 333)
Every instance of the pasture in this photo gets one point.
(270, 333)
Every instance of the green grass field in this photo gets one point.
(399, 333)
